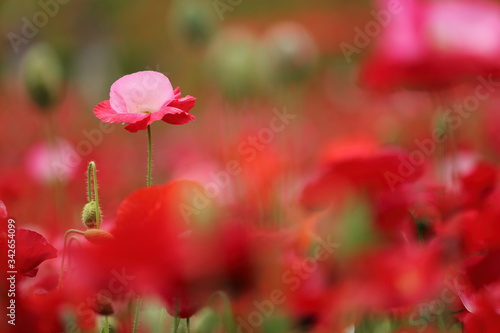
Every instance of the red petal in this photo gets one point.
(139, 125)
(177, 93)
(185, 103)
(105, 112)
(32, 250)
(140, 206)
(178, 118)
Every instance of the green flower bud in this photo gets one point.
(233, 63)
(291, 51)
(42, 75)
(89, 215)
(192, 22)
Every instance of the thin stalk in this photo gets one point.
(160, 323)
(89, 183)
(66, 234)
(106, 324)
(150, 155)
(136, 316)
(177, 321)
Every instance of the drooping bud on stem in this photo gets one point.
(97, 236)
(102, 304)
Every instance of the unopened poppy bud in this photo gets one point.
(192, 22)
(291, 51)
(98, 236)
(102, 304)
(89, 215)
(233, 61)
(42, 75)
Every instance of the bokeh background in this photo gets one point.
(242, 61)
(246, 62)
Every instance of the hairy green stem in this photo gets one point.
(66, 234)
(150, 155)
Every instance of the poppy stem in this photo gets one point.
(74, 239)
(150, 155)
(61, 270)
(227, 314)
(136, 316)
(89, 183)
(106, 324)
(188, 329)
(92, 180)
(177, 321)
(160, 323)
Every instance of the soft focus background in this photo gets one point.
(252, 64)
(241, 62)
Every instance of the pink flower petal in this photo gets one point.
(142, 91)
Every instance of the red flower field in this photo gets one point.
(330, 166)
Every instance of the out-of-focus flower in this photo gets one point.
(163, 241)
(433, 44)
(479, 289)
(141, 98)
(232, 62)
(480, 230)
(478, 183)
(42, 74)
(361, 164)
(486, 320)
(32, 249)
(291, 50)
(50, 162)
(49, 310)
(395, 277)
(192, 22)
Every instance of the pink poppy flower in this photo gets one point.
(141, 98)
